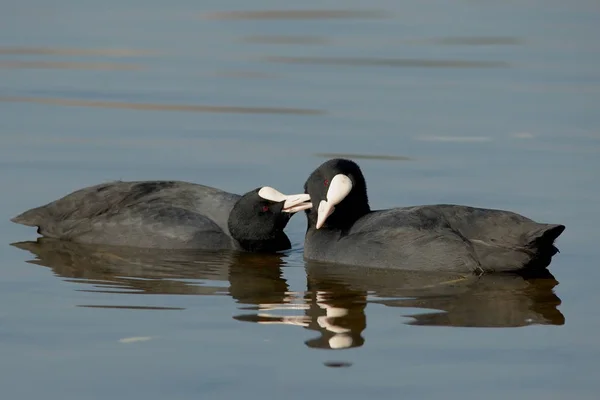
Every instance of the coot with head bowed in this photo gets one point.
(169, 215)
(343, 229)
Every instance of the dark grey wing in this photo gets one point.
(503, 240)
(88, 203)
(409, 248)
(490, 225)
(402, 239)
(165, 214)
(150, 225)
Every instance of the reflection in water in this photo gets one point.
(388, 62)
(295, 14)
(498, 300)
(101, 66)
(338, 316)
(337, 298)
(253, 278)
(334, 304)
(160, 107)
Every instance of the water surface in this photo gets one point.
(481, 103)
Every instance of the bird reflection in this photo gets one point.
(252, 278)
(334, 304)
(494, 300)
(338, 316)
(337, 298)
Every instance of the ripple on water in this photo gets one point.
(160, 107)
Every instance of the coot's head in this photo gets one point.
(338, 192)
(258, 218)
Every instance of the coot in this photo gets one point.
(169, 215)
(343, 229)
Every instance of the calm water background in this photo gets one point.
(494, 104)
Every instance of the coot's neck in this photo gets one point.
(241, 229)
(344, 216)
(278, 242)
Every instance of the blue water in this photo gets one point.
(495, 104)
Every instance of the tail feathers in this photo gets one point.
(541, 244)
(545, 236)
(30, 218)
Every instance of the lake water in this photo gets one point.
(493, 104)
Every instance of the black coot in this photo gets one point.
(343, 229)
(169, 215)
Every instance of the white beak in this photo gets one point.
(292, 203)
(339, 188)
(297, 202)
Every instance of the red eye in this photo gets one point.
(326, 182)
(265, 208)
